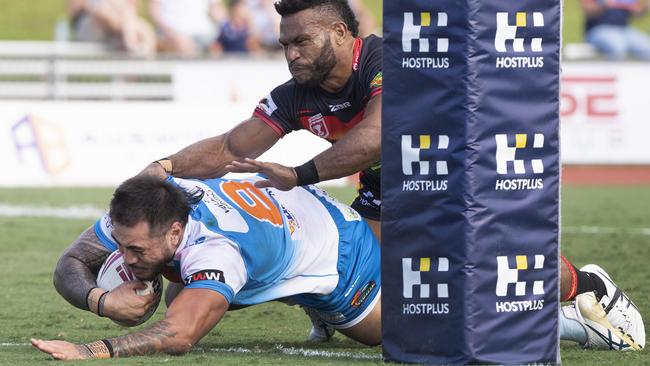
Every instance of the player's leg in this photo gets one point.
(353, 308)
(574, 281)
(368, 330)
(368, 202)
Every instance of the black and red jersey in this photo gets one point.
(291, 106)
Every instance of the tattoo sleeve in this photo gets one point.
(77, 268)
(160, 337)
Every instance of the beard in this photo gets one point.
(321, 67)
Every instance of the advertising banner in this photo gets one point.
(470, 191)
(102, 144)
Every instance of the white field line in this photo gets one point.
(601, 230)
(278, 348)
(69, 212)
(90, 212)
(292, 351)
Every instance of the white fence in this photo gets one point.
(56, 139)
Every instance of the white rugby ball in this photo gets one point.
(115, 272)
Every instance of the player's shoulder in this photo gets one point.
(372, 43)
(287, 89)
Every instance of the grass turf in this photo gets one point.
(29, 20)
(274, 333)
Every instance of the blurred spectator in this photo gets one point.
(187, 27)
(266, 23)
(367, 23)
(237, 31)
(115, 22)
(608, 28)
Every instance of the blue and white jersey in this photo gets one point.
(255, 245)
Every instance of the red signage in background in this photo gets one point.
(589, 99)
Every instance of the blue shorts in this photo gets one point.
(359, 284)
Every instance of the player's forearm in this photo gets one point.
(75, 273)
(161, 337)
(204, 159)
(358, 150)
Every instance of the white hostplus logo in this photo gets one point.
(509, 276)
(411, 32)
(506, 154)
(412, 278)
(506, 157)
(507, 32)
(411, 155)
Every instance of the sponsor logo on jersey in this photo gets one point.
(508, 162)
(377, 81)
(509, 283)
(338, 107)
(205, 275)
(412, 279)
(506, 40)
(267, 105)
(412, 32)
(415, 156)
(318, 126)
(361, 296)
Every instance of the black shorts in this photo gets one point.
(368, 202)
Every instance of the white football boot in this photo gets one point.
(614, 322)
(320, 331)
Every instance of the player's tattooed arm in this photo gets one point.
(77, 269)
(192, 314)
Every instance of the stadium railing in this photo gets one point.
(41, 70)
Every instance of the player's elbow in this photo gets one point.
(179, 346)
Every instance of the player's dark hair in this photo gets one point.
(339, 7)
(154, 200)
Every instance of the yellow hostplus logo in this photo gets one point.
(506, 154)
(411, 277)
(411, 32)
(507, 33)
(507, 275)
(411, 155)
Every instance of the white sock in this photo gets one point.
(572, 330)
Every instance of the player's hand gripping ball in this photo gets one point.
(115, 272)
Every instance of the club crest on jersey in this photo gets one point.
(317, 126)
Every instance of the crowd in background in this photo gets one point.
(608, 28)
(185, 28)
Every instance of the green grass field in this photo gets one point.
(600, 225)
(31, 19)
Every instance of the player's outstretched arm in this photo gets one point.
(357, 150)
(192, 314)
(208, 158)
(76, 272)
(75, 280)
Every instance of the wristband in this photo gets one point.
(100, 304)
(307, 173)
(166, 164)
(88, 296)
(99, 349)
(109, 346)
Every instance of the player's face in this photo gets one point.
(307, 47)
(146, 252)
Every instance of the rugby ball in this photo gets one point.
(115, 272)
